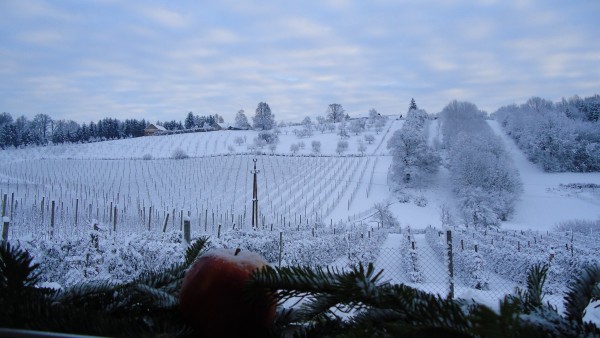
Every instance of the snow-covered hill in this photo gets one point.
(547, 198)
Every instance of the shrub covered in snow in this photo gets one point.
(179, 154)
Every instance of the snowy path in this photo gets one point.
(433, 269)
(389, 259)
(544, 203)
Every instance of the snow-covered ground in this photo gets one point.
(214, 187)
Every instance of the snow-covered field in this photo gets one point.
(317, 202)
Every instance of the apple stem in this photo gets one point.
(237, 251)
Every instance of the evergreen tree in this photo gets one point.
(413, 105)
(264, 119)
(189, 122)
(22, 125)
(8, 136)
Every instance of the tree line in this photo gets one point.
(557, 136)
(43, 129)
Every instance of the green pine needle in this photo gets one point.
(582, 291)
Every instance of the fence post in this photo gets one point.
(5, 225)
(450, 264)
(186, 231)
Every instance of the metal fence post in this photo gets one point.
(450, 264)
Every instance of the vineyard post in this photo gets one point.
(181, 220)
(186, 231)
(115, 219)
(165, 223)
(255, 196)
(450, 264)
(42, 210)
(95, 235)
(76, 209)
(52, 220)
(205, 220)
(4, 205)
(280, 246)
(12, 201)
(218, 231)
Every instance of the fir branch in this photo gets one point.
(292, 282)
(160, 299)
(581, 292)
(196, 249)
(16, 270)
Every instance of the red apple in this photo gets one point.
(212, 296)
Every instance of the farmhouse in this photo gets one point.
(225, 126)
(152, 129)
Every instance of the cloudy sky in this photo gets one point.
(85, 60)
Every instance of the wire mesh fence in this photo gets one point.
(441, 263)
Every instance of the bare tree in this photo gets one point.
(335, 112)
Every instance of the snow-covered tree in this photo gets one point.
(294, 148)
(241, 121)
(384, 216)
(413, 161)
(369, 138)
(316, 146)
(272, 147)
(361, 147)
(189, 121)
(341, 147)
(239, 140)
(268, 137)
(412, 105)
(343, 129)
(264, 119)
(357, 126)
(374, 115)
(483, 176)
(379, 125)
(335, 113)
(557, 137)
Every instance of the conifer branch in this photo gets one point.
(581, 292)
(16, 269)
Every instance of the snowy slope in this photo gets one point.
(544, 203)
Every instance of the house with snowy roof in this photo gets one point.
(152, 129)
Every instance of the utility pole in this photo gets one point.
(255, 197)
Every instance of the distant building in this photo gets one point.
(224, 126)
(152, 129)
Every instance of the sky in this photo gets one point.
(159, 60)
